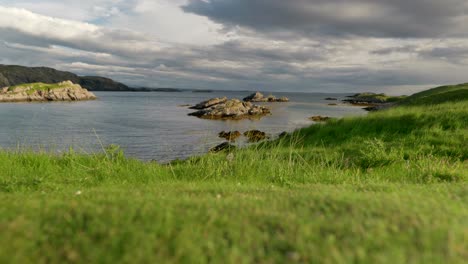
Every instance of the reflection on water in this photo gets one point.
(146, 125)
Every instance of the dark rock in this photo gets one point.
(255, 135)
(283, 135)
(319, 118)
(223, 147)
(230, 136)
(331, 99)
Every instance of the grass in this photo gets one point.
(386, 188)
(33, 87)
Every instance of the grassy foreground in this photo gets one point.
(387, 188)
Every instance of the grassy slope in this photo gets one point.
(387, 188)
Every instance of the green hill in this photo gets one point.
(11, 75)
(390, 187)
(451, 93)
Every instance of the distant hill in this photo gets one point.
(11, 75)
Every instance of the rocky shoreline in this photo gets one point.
(40, 92)
(373, 101)
(234, 109)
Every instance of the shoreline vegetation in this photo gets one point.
(41, 92)
(390, 187)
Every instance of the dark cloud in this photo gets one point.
(373, 18)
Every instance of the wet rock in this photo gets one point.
(255, 135)
(226, 146)
(332, 104)
(230, 136)
(319, 118)
(331, 99)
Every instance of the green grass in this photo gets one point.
(387, 188)
(33, 87)
(439, 95)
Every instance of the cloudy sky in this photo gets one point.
(397, 46)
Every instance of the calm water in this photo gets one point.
(148, 126)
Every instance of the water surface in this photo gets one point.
(148, 126)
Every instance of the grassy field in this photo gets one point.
(387, 188)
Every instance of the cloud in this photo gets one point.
(154, 43)
(369, 18)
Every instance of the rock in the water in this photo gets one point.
(209, 103)
(283, 135)
(255, 97)
(230, 136)
(259, 97)
(222, 147)
(319, 118)
(255, 135)
(41, 92)
(231, 109)
(331, 99)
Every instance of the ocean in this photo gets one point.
(148, 125)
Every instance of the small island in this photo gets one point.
(42, 92)
(258, 97)
(228, 109)
(373, 101)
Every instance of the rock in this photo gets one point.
(259, 97)
(231, 109)
(255, 135)
(319, 118)
(222, 147)
(185, 105)
(210, 103)
(332, 104)
(255, 97)
(331, 99)
(283, 135)
(41, 92)
(230, 136)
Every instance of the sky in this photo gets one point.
(393, 46)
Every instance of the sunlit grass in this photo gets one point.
(386, 188)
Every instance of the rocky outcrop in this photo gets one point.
(259, 97)
(255, 135)
(223, 109)
(319, 118)
(331, 99)
(226, 146)
(230, 136)
(40, 92)
(209, 103)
